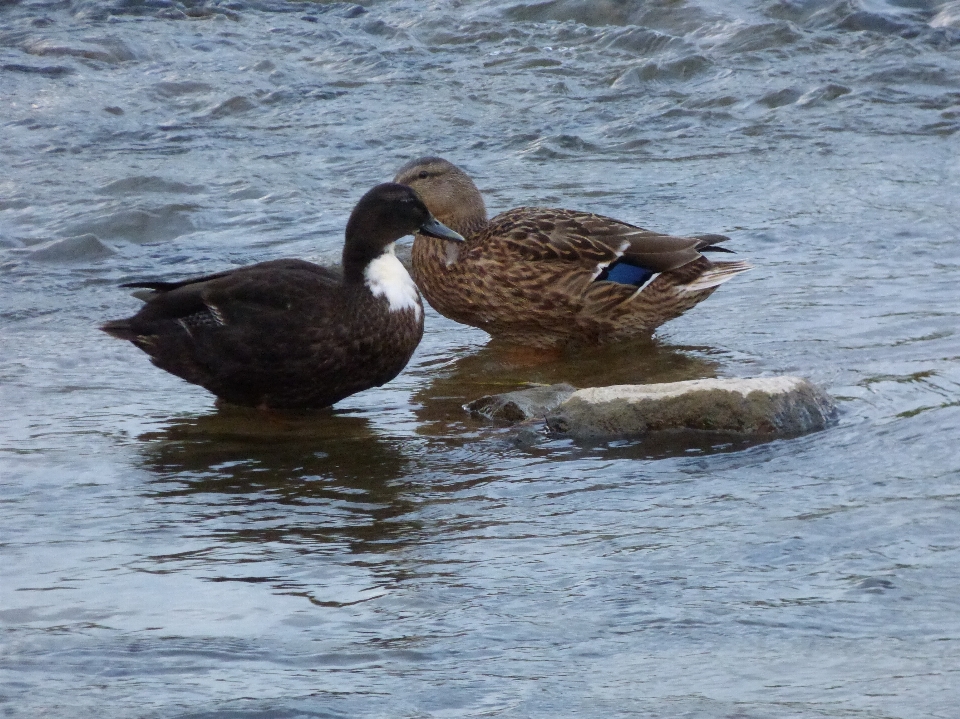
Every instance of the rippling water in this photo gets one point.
(394, 558)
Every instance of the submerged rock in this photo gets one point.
(522, 405)
(759, 407)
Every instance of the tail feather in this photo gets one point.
(709, 242)
(719, 273)
(160, 286)
(121, 329)
(145, 295)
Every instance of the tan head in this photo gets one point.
(447, 191)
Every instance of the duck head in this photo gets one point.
(382, 216)
(447, 191)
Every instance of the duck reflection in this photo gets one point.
(310, 479)
(497, 368)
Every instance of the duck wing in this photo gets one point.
(246, 332)
(284, 264)
(251, 295)
(538, 234)
(268, 283)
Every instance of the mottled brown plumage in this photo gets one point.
(288, 333)
(539, 276)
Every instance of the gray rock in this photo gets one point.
(522, 405)
(763, 407)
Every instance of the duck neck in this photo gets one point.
(469, 225)
(355, 264)
(359, 250)
(463, 212)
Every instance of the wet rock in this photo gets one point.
(760, 407)
(522, 405)
(70, 249)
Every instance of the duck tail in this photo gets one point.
(121, 329)
(711, 243)
(717, 274)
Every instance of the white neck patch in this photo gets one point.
(387, 277)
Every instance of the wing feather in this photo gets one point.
(544, 234)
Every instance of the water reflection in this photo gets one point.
(309, 479)
(497, 368)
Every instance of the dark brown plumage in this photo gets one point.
(550, 277)
(288, 333)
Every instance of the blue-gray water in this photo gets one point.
(394, 558)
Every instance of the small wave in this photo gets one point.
(140, 226)
(823, 94)
(69, 249)
(674, 18)
(588, 12)
(559, 146)
(48, 70)
(947, 17)
(108, 49)
(779, 98)
(234, 106)
(641, 41)
(180, 88)
(682, 68)
(762, 37)
(913, 75)
(140, 184)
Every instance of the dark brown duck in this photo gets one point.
(290, 334)
(547, 277)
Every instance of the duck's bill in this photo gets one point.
(434, 228)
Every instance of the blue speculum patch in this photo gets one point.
(625, 274)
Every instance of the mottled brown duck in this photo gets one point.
(289, 334)
(543, 277)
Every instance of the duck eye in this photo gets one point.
(423, 175)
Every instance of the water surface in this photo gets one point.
(395, 558)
